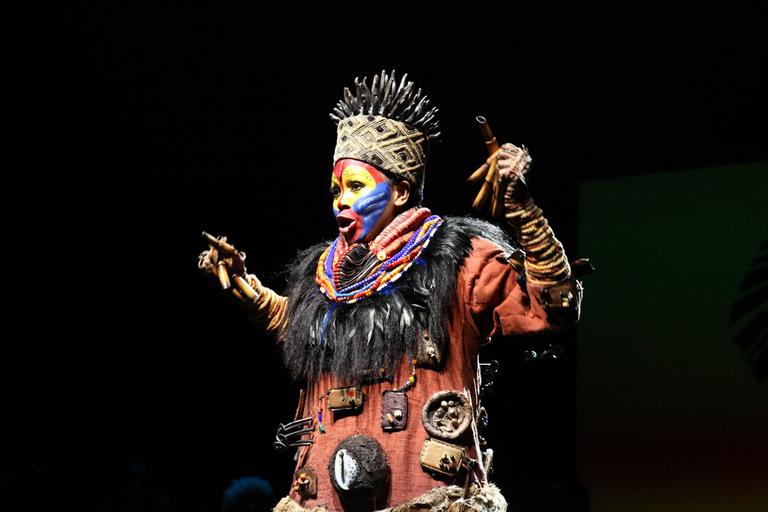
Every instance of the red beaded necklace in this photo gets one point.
(396, 248)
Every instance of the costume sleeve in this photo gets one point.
(502, 302)
(268, 309)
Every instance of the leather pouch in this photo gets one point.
(429, 353)
(440, 457)
(394, 410)
(345, 399)
(305, 483)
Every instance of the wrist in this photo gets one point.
(519, 211)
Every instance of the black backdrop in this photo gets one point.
(131, 383)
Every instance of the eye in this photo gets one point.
(335, 191)
(356, 185)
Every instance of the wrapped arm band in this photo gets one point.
(545, 260)
(269, 308)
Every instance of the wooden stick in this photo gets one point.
(490, 188)
(479, 173)
(481, 197)
(221, 245)
(490, 140)
(485, 190)
(246, 288)
(498, 210)
(221, 271)
(483, 169)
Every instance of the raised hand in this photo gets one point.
(513, 164)
(225, 262)
(222, 261)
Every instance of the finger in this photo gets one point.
(234, 264)
(508, 146)
(213, 256)
(493, 156)
(521, 178)
(206, 261)
(238, 262)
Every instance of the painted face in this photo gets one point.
(360, 198)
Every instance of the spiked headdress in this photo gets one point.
(387, 125)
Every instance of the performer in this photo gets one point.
(384, 324)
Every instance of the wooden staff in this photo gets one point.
(488, 171)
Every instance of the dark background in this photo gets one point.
(131, 383)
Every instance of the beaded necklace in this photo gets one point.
(397, 247)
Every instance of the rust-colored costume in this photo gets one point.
(404, 310)
(488, 300)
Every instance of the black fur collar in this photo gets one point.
(376, 332)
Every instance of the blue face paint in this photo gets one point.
(361, 195)
(371, 207)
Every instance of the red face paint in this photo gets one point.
(361, 194)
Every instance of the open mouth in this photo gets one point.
(346, 222)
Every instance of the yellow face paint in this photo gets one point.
(360, 197)
(355, 182)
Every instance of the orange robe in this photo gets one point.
(488, 301)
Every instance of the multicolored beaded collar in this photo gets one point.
(396, 248)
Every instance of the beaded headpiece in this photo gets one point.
(387, 125)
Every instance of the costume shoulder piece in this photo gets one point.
(375, 332)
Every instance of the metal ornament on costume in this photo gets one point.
(447, 415)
